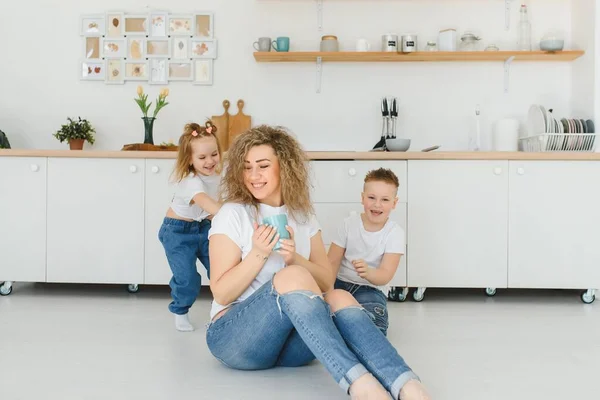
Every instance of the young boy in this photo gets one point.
(367, 250)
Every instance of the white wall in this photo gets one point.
(40, 87)
(584, 37)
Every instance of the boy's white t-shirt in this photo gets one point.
(236, 222)
(368, 246)
(190, 186)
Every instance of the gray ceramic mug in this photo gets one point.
(263, 43)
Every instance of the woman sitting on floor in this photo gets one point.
(268, 308)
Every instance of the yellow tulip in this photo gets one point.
(164, 92)
(140, 91)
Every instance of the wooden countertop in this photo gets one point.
(324, 155)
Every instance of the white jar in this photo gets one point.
(447, 40)
(409, 43)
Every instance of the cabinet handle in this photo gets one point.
(521, 171)
(35, 167)
(497, 170)
(155, 169)
(133, 169)
(352, 172)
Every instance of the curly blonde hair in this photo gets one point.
(293, 166)
(193, 131)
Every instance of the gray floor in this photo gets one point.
(99, 342)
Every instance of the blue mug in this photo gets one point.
(280, 222)
(282, 44)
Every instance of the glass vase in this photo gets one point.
(148, 128)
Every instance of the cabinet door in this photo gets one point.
(95, 220)
(159, 193)
(331, 215)
(554, 225)
(457, 217)
(342, 181)
(23, 219)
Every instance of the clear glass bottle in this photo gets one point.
(524, 43)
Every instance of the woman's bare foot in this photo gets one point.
(414, 390)
(368, 388)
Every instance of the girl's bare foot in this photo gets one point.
(368, 388)
(414, 390)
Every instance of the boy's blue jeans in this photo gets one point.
(373, 300)
(289, 330)
(184, 242)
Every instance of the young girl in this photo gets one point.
(184, 232)
(268, 307)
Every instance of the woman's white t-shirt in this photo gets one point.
(369, 246)
(236, 221)
(190, 186)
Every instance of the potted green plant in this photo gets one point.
(142, 102)
(76, 132)
(4, 143)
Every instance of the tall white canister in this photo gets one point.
(505, 136)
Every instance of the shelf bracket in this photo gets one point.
(507, 14)
(507, 63)
(320, 15)
(319, 70)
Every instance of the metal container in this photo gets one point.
(409, 43)
(389, 42)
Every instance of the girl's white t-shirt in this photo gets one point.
(369, 246)
(190, 186)
(236, 222)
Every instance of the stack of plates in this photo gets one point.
(566, 134)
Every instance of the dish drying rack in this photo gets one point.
(545, 142)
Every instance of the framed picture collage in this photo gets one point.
(156, 47)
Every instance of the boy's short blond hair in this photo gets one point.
(382, 175)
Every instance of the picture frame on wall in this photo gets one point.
(136, 24)
(136, 48)
(159, 24)
(158, 47)
(115, 24)
(92, 70)
(92, 25)
(180, 48)
(181, 25)
(158, 70)
(136, 70)
(203, 48)
(92, 47)
(114, 48)
(115, 71)
(203, 72)
(181, 70)
(204, 24)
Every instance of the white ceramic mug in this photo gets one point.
(363, 45)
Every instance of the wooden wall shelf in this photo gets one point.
(436, 56)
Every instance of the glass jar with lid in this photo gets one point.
(431, 46)
(329, 43)
(469, 42)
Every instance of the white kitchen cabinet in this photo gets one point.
(457, 221)
(342, 181)
(95, 220)
(23, 219)
(554, 225)
(331, 215)
(159, 192)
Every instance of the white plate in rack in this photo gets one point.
(536, 121)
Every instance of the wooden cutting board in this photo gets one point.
(222, 124)
(238, 123)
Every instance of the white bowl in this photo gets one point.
(552, 44)
(397, 144)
